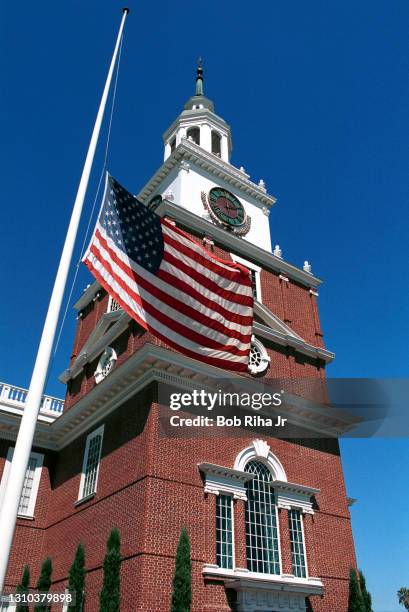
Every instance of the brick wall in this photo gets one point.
(150, 487)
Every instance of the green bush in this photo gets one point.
(355, 601)
(182, 581)
(109, 597)
(76, 579)
(23, 587)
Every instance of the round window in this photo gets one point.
(258, 358)
(106, 364)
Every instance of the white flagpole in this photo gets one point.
(11, 499)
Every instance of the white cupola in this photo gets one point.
(199, 123)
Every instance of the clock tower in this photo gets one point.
(198, 176)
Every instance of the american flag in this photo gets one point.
(193, 301)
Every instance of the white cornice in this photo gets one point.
(299, 345)
(290, 495)
(153, 363)
(87, 296)
(97, 342)
(225, 472)
(192, 152)
(224, 480)
(241, 578)
(93, 348)
(237, 245)
(291, 487)
(273, 321)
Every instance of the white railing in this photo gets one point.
(17, 397)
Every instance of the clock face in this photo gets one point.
(154, 203)
(227, 208)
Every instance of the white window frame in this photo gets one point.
(277, 525)
(264, 358)
(97, 432)
(255, 268)
(300, 510)
(233, 550)
(112, 300)
(36, 481)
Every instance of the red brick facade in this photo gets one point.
(149, 484)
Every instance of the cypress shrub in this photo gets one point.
(109, 597)
(182, 580)
(22, 588)
(76, 579)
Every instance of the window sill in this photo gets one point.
(26, 517)
(84, 499)
(283, 582)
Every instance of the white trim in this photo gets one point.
(36, 481)
(233, 548)
(290, 495)
(261, 450)
(303, 543)
(272, 321)
(252, 266)
(233, 535)
(264, 357)
(221, 480)
(151, 363)
(96, 432)
(287, 583)
(113, 305)
(280, 561)
(108, 358)
(214, 165)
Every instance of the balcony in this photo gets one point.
(13, 399)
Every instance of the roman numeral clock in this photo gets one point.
(226, 210)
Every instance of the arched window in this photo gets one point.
(194, 134)
(262, 544)
(216, 143)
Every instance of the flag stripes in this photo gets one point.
(194, 302)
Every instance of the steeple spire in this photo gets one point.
(199, 77)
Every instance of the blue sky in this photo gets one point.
(317, 96)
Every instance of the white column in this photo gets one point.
(224, 145)
(167, 151)
(206, 137)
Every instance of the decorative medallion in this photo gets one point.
(154, 202)
(259, 359)
(106, 364)
(226, 210)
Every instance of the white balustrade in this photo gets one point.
(16, 397)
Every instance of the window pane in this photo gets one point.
(254, 283)
(92, 465)
(297, 544)
(224, 532)
(194, 134)
(27, 486)
(216, 143)
(261, 522)
(113, 305)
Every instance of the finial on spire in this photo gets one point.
(199, 77)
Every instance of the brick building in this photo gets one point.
(268, 518)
